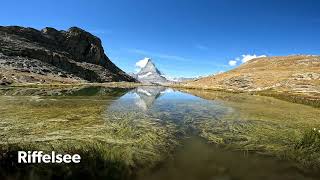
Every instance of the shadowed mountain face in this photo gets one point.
(74, 54)
(150, 74)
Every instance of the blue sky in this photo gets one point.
(183, 37)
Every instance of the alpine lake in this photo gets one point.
(157, 133)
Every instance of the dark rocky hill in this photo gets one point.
(30, 55)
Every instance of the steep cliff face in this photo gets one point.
(74, 54)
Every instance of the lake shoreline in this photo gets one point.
(312, 99)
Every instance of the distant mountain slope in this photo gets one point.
(150, 74)
(29, 55)
(298, 73)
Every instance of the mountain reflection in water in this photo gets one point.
(166, 104)
(146, 96)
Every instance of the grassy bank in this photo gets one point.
(53, 85)
(312, 99)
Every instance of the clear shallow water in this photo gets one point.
(161, 133)
(199, 160)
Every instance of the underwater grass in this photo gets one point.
(95, 163)
(118, 156)
(263, 125)
(310, 141)
(139, 139)
(306, 150)
(83, 125)
(301, 147)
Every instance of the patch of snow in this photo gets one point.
(142, 63)
(145, 75)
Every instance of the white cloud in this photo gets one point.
(243, 59)
(142, 63)
(248, 57)
(232, 63)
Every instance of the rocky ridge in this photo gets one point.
(49, 55)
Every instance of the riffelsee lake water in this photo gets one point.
(154, 132)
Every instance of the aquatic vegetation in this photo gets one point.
(79, 123)
(135, 130)
(200, 160)
(259, 124)
(95, 163)
(306, 149)
(310, 140)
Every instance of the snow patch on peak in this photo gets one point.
(143, 62)
(145, 75)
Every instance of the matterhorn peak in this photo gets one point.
(149, 73)
(143, 62)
